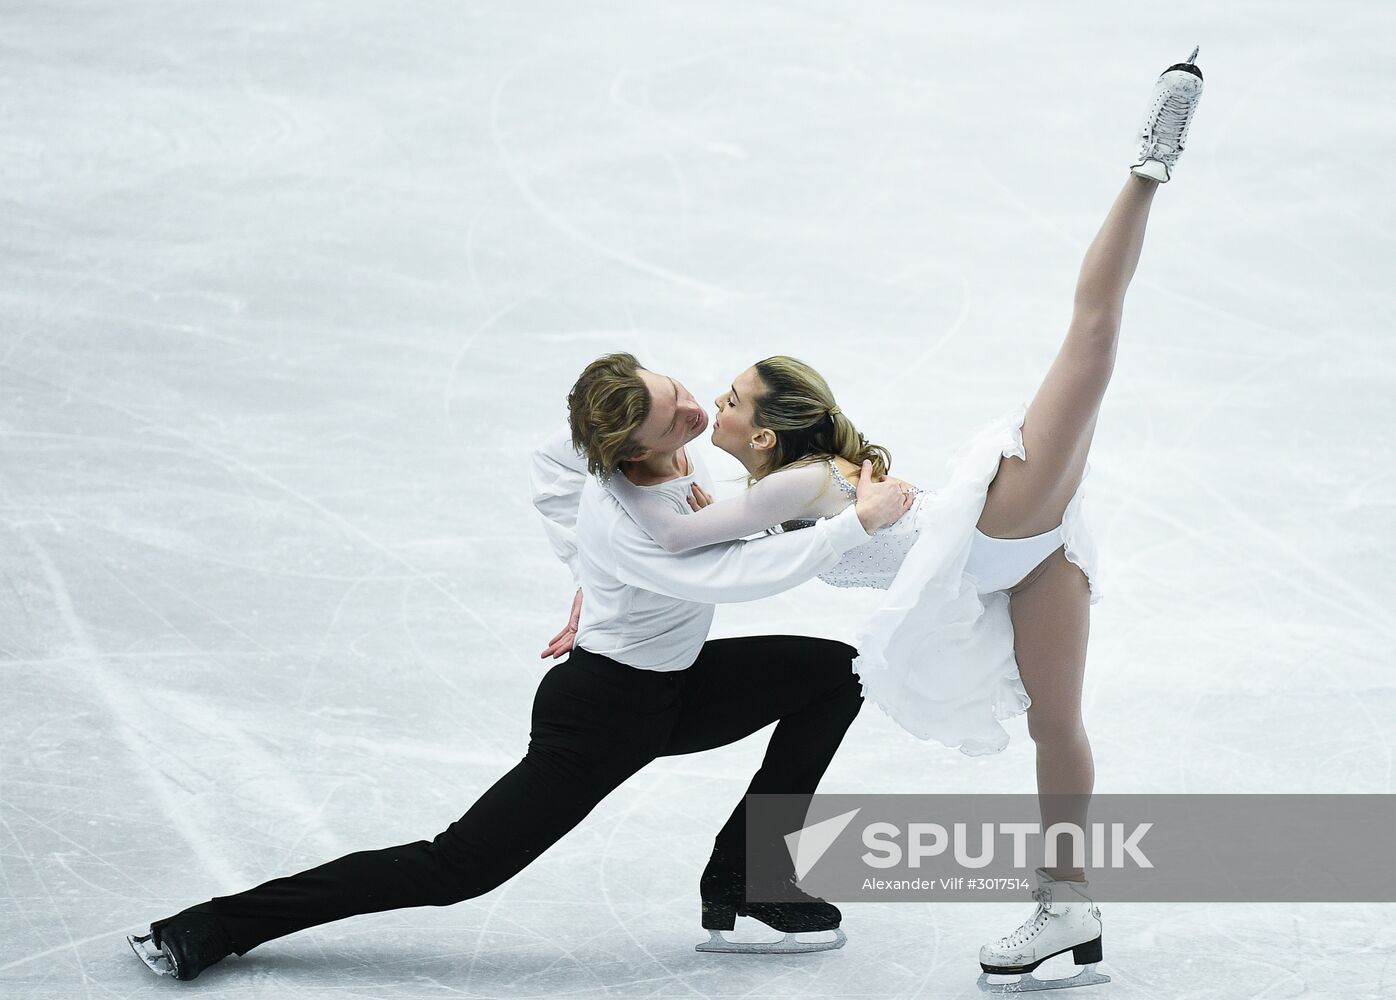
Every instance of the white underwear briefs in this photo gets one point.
(1000, 563)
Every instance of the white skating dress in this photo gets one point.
(937, 653)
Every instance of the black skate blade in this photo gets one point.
(1028, 983)
(717, 943)
(154, 958)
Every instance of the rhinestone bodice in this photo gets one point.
(875, 563)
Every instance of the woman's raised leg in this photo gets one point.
(1029, 497)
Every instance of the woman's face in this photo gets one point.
(733, 429)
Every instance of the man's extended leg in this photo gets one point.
(595, 723)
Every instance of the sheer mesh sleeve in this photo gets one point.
(804, 492)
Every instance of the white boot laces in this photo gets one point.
(1034, 924)
(1170, 121)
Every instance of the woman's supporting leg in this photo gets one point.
(1029, 497)
(1051, 622)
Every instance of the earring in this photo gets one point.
(751, 444)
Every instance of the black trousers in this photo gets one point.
(595, 723)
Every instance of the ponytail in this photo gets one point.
(850, 444)
(799, 408)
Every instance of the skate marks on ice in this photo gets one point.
(464, 136)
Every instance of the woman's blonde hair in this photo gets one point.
(799, 407)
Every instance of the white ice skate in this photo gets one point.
(1165, 129)
(1065, 920)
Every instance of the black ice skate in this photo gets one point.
(183, 946)
(786, 908)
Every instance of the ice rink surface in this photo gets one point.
(291, 289)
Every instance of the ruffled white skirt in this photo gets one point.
(936, 655)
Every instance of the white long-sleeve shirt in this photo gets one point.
(643, 606)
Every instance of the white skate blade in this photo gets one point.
(154, 958)
(788, 945)
(1028, 983)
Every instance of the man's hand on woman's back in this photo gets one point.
(880, 504)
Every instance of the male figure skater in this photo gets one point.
(641, 682)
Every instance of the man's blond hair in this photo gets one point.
(605, 408)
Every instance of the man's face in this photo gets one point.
(675, 417)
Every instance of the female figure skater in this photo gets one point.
(990, 578)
